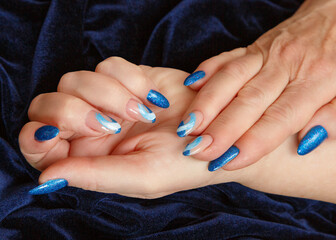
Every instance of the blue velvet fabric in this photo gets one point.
(40, 40)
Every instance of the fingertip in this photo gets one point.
(314, 137)
(46, 133)
(37, 138)
(194, 78)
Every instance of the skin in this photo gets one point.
(256, 97)
(146, 161)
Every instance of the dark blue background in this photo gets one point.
(40, 40)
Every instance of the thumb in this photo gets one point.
(110, 174)
(318, 129)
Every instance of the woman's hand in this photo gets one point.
(144, 160)
(256, 97)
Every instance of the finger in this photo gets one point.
(209, 67)
(218, 92)
(283, 118)
(244, 110)
(69, 113)
(318, 129)
(41, 144)
(132, 175)
(107, 94)
(134, 79)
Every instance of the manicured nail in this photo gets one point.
(157, 99)
(46, 133)
(192, 78)
(229, 155)
(188, 125)
(140, 111)
(198, 145)
(312, 140)
(102, 123)
(49, 186)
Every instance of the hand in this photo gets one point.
(143, 160)
(256, 97)
(146, 159)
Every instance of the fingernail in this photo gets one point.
(188, 125)
(102, 123)
(229, 155)
(312, 140)
(198, 145)
(49, 186)
(140, 111)
(46, 133)
(157, 99)
(192, 78)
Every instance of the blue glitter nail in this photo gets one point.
(192, 78)
(229, 155)
(46, 133)
(157, 99)
(185, 128)
(312, 140)
(49, 186)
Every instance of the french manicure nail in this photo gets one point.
(46, 133)
(192, 78)
(140, 111)
(229, 155)
(102, 123)
(198, 145)
(312, 140)
(49, 186)
(157, 99)
(188, 125)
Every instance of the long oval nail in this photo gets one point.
(140, 111)
(188, 125)
(49, 186)
(102, 123)
(228, 156)
(197, 145)
(192, 78)
(157, 99)
(46, 133)
(312, 140)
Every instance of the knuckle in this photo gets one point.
(34, 105)
(322, 67)
(210, 63)
(288, 49)
(104, 66)
(252, 95)
(211, 99)
(283, 113)
(235, 69)
(66, 81)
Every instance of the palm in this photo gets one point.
(159, 167)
